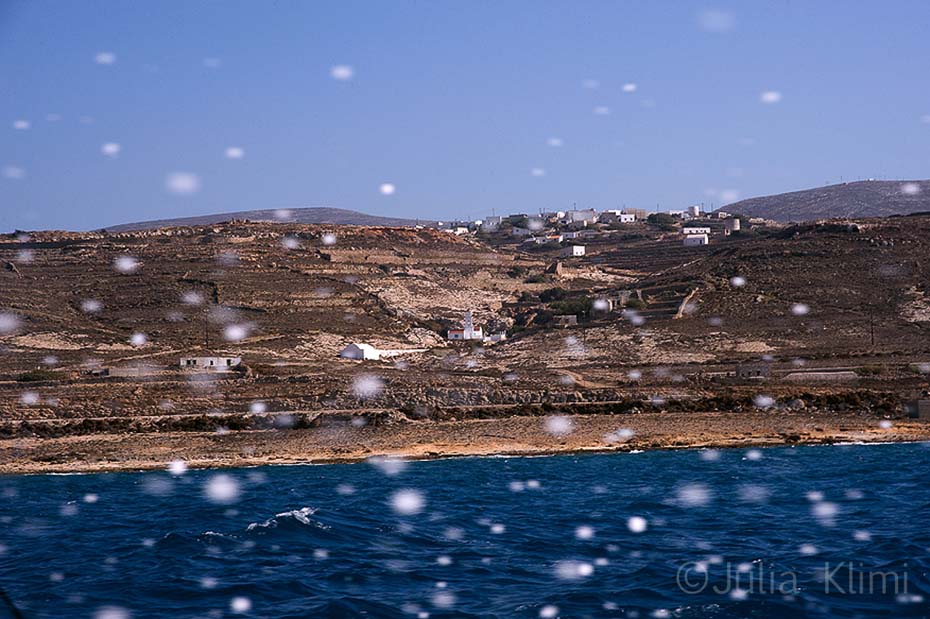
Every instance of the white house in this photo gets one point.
(542, 240)
(518, 231)
(210, 364)
(572, 251)
(585, 216)
(360, 351)
(615, 216)
(492, 223)
(696, 239)
(695, 230)
(467, 332)
(695, 210)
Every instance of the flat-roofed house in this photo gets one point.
(572, 251)
(360, 352)
(492, 223)
(695, 230)
(696, 239)
(210, 364)
(617, 217)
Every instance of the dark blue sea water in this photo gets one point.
(772, 533)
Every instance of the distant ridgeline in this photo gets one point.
(856, 199)
(310, 215)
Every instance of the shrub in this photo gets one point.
(552, 294)
(578, 306)
(662, 219)
(536, 278)
(38, 374)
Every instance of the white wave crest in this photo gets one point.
(301, 515)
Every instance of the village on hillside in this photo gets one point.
(570, 228)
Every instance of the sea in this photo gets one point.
(806, 531)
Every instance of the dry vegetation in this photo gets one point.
(299, 300)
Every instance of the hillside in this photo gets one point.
(309, 215)
(846, 200)
(821, 289)
(286, 298)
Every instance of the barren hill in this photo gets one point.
(846, 200)
(286, 298)
(820, 289)
(308, 215)
(93, 327)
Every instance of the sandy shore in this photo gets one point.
(514, 436)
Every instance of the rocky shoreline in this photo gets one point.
(513, 435)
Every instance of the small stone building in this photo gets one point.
(210, 364)
(753, 370)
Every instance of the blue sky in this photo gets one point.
(454, 103)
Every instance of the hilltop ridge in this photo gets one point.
(303, 215)
(869, 198)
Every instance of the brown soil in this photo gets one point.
(341, 442)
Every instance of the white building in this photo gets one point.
(615, 216)
(210, 364)
(518, 231)
(360, 351)
(695, 230)
(584, 216)
(542, 240)
(489, 224)
(696, 239)
(695, 210)
(730, 226)
(468, 330)
(572, 251)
